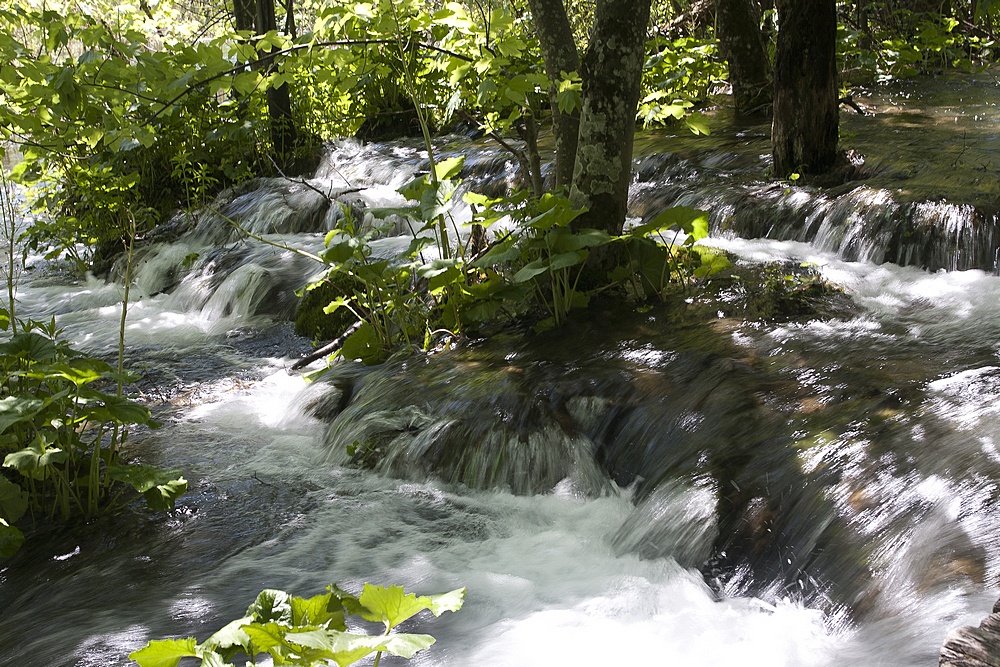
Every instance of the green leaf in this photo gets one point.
(544, 325)
(231, 635)
(564, 260)
(271, 605)
(392, 606)
(13, 501)
(79, 371)
(690, 220)
(34, 457)
(11, 539)
(269, 637)
(342, 647)
(159, 487)
(442, 602)
(414, 190)
(418, 244)
(389, 605)
(163, 496)
(124, 411)
(31, 346)
(562, 239)
(406, 645)
(210, 658)
(450, 168)
(315, 611)
(434, 199)
(506, 251)
(165, 652)
(342, 251)
(334, 305)
(697, 124)
(365, 345)
(530, 270)
(438, 266)
(18, 408)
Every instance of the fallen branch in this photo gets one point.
(329, 348)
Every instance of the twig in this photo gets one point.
(518, 154)
(254, 476)
(302, 181)
(329, 348)
(282, 246)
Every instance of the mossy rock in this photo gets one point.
(311, 321)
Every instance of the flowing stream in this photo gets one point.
(688, 485)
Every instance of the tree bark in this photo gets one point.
(244, 14)
(560, 55)
(279, 105)
(805, 129)
(742, 45)
(612, 76)
(290, 28)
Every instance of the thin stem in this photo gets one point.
(10, 231)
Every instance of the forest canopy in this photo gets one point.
(161, 105)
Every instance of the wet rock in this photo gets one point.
(974, 647)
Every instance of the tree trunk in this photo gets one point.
(244, 13)
(560, 55)
(290, 28)
(279, 105)
(804, 132)
(742, 45)
(612, 76)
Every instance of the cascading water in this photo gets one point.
(677, 486)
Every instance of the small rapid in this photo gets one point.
(692, 484)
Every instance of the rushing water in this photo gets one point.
(678, 486)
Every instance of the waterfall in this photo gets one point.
(688, 484)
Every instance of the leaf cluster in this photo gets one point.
(309, 632)
(62, 435)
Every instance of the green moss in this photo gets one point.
(311, 321)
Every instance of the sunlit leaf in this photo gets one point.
(231, 635)
(392, 606)
(159, 487)
(18, 408)
(450, 168)
(271, 605)
(165, 652)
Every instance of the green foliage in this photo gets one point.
(543, 251)
(309, 632)
(676, 76)
(655, 263)
(311, 321)
(62, 435)
(911, 45)
(111, 118)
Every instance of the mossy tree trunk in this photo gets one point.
(742, 45)
(805, 129)
(612, 74)
(560, 55)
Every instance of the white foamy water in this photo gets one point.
(555, 578)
